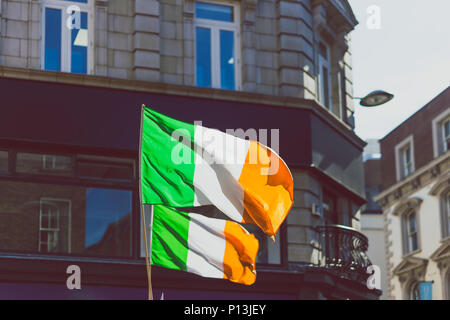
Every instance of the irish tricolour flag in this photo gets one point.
(188, 165)
(205, 246)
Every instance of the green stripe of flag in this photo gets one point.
(161, 181)
(169, 238)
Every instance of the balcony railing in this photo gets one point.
(343, 251)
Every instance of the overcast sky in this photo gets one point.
(408, 55)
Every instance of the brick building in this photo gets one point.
(73, 75)
(415, 168)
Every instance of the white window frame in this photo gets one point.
(66, 56)
(399, 163)
(69, 231)
(407, 234)
(322, 62)
(438, 133)
(444, 198)
(215, 26)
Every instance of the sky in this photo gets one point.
(405, 52)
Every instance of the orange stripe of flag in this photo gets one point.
(268, 189)
(239, 259)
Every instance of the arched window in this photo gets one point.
(447, 284)
(414, 291)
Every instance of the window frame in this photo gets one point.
(215, 27)
(399, 157)
(414, 291)
(407, 234)
(321, 63)
(74, 180)
(439, 147)
(444, 201)
(69, 232)
(66, 56)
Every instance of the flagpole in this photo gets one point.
(147, 262)
(141, 206)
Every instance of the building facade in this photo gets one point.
(415, 199)
(73, 77)
(372, 222)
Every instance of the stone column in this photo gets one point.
(304, 216)
(146, 50)
(296, 58)
(248, 62)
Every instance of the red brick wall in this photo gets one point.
(420, 126)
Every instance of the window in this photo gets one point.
(67, 204)
(414, 292)
(406, 161)
(66, 37)
(54, 225)
(329, 208)
(447, 284)
(324, 78)
(410, 232)
(268, 252)
(404, 153)
(217, 51)
(33, 163)
(445, 131)
(445, 214)
(441, 133)
(3, 161)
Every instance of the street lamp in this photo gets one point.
(375, 98)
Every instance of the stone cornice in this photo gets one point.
(182, 90)
(420, 178)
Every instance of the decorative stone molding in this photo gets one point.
(442, 254)
(405, 205)
(410, 268)
(440, 185)
(437, 169)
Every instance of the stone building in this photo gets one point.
(73, 77)
(372, 222)
(415, 199)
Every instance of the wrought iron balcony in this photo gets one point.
(343, 250)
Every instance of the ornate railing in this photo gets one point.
(343, 250)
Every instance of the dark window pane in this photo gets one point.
(44, 164)
(227, 59)
(412, 223)
(52, 39)
(326, 92)
(3, 161)
(79, 43)
(213, 12)
(413, 242)
(323, 51)
(203, 57)
(97, 170)
(65, 219)
(329, 208)
(268, 252)
(108, 222)
(81, 1)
